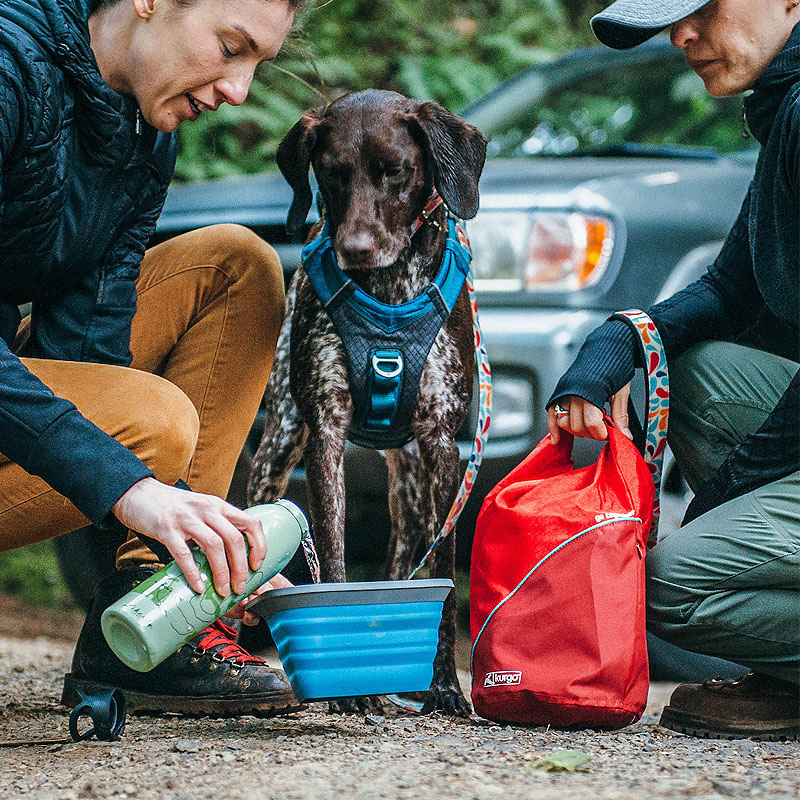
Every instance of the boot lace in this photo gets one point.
(220, 639)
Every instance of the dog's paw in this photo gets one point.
(447, 699)
(356, 705)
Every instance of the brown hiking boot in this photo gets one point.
(211, 675)
(755, 706)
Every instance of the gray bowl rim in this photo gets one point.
(350, 594)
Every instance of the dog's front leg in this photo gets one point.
(438, 479)
(324, 462)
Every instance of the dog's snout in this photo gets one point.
(358, 246)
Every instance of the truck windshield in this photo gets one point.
(655, 108)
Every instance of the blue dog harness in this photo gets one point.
(386, 345)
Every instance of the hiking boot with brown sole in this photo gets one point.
(755, 706)
(211, 675)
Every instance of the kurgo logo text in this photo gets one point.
(502, 679)
(612, 515)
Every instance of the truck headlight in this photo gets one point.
(539, 251)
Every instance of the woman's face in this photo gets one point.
(729, 43)
(184, 60)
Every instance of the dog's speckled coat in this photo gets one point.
(377, 157)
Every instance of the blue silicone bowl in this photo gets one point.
(355, 639)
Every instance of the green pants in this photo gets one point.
(728, 583)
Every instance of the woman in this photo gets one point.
(727, 583)
(89, 97)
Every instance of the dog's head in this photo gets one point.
(377, 156)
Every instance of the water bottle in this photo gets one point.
(161, 614)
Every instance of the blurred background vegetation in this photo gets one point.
(450, 51)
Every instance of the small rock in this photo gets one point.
(725, 787)
(500, 746)
(374, 719)
(187, 746)
(448, 740)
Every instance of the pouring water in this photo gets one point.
(311, 556)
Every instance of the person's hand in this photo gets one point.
(238, 612)
(584, 419)
(176, 518)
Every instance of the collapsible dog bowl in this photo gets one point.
(354, 639)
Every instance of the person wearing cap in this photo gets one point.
(727, 582)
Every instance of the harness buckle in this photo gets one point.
(387, 366)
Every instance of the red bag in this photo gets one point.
(557, 604)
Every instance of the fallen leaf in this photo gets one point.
(562, 761)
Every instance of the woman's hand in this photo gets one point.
(238, 612)
(584, 419)
(176, 518)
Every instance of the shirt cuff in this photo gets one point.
(89, 467)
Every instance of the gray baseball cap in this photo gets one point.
(626, 23)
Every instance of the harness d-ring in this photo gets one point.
(107, 711)
(387, 365)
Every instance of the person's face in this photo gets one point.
(729, 43)
(187, 60)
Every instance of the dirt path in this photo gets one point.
(315, 756)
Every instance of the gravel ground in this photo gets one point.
(314, 755)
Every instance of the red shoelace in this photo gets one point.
(219, 635)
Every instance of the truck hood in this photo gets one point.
(517, 182)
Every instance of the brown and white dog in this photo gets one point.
(377, 157)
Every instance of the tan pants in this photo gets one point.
(210, 306)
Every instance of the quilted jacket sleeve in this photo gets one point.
(45, 434)
(91, 321)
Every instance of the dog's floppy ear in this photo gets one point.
(294, 161)
(456, 151)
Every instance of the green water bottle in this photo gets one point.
(161, 614)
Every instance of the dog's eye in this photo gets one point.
(390, 170)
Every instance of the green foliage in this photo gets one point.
(32, 573)
(450, 51)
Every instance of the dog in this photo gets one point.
(377, 157)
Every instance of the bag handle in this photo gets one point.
(657, 392)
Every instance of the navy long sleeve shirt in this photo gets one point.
(750, 295)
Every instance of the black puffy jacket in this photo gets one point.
(83, 182)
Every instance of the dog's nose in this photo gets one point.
(357, 247)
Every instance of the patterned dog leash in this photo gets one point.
(657, 387)
(484, 416)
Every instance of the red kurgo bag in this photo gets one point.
(557, 605)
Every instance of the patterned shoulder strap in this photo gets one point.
(657, 388)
